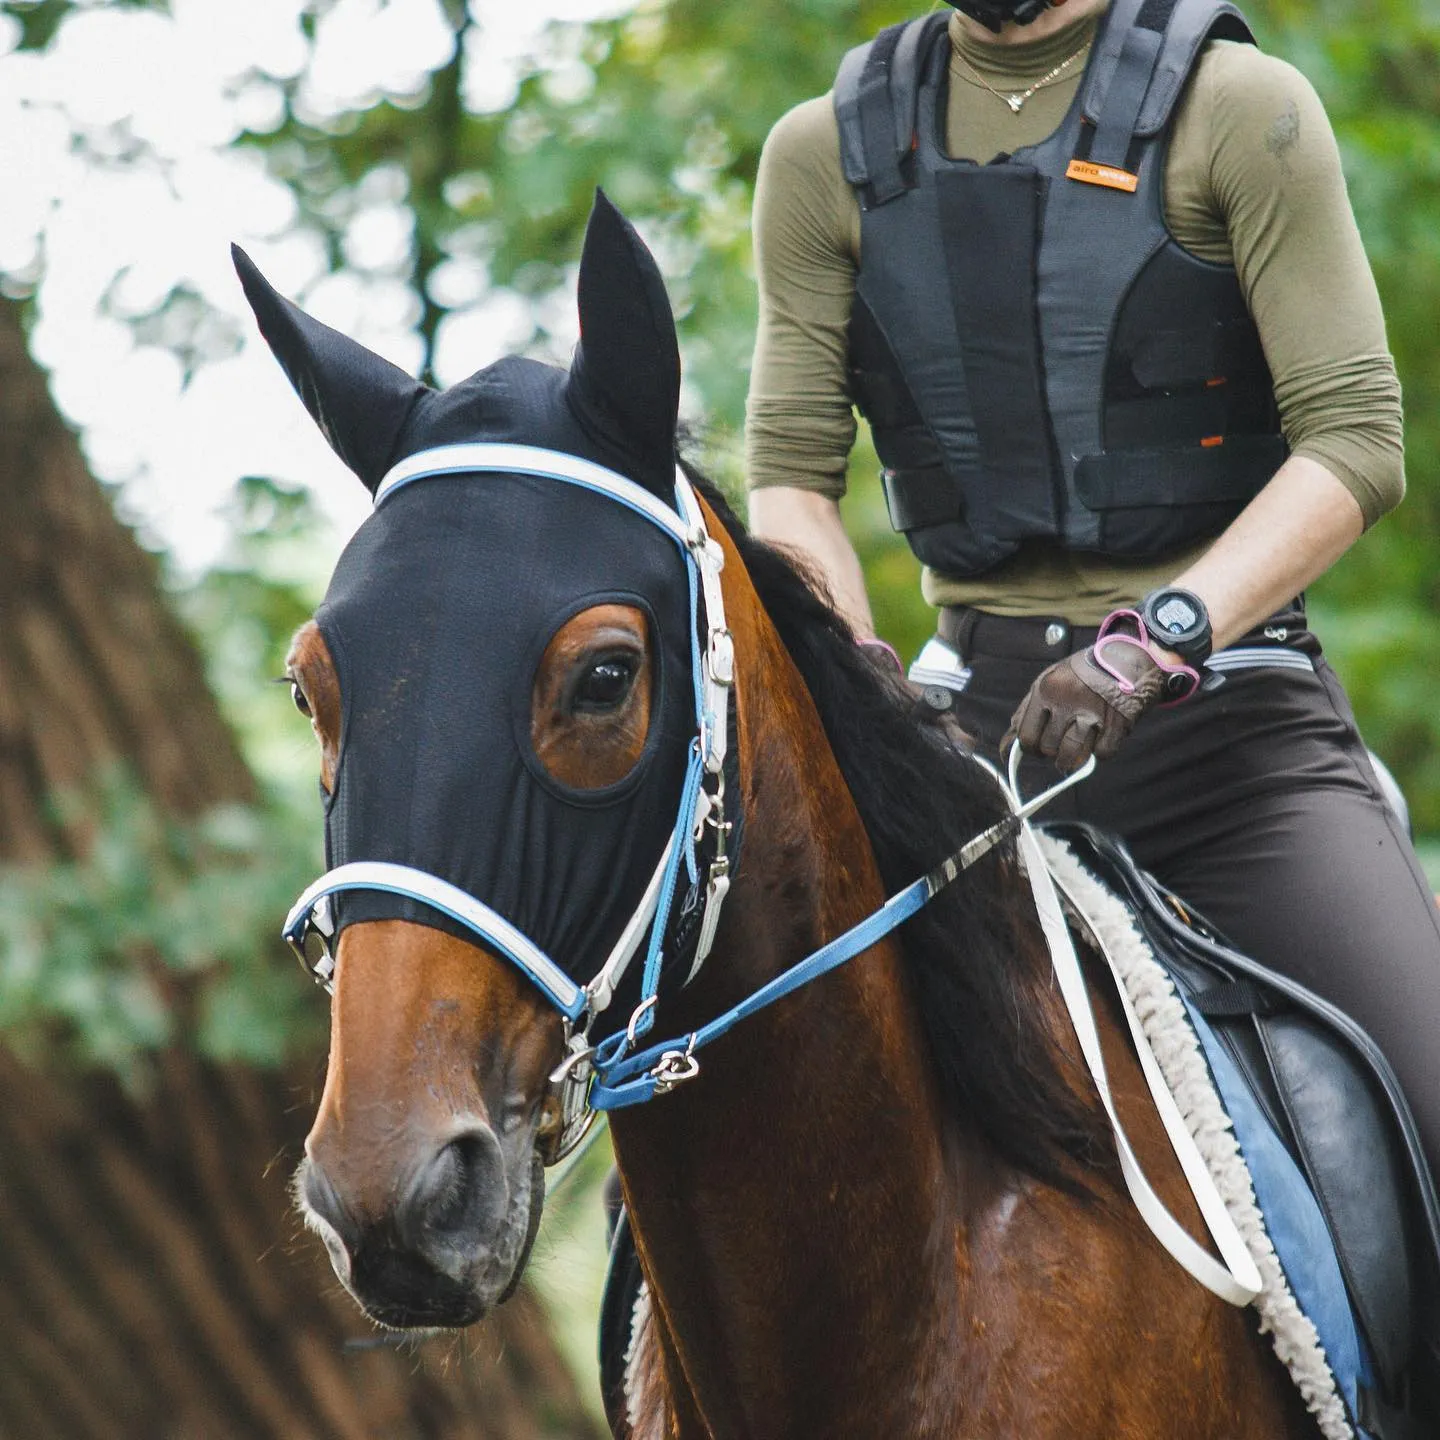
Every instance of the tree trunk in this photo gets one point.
(155, 1280)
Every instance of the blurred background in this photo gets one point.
(416, 173)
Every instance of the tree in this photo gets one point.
(153, 1278)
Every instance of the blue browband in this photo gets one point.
(612, 1075)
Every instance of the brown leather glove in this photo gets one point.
(1080, 706)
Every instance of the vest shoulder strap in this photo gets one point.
(1146, 51)
(876, 95)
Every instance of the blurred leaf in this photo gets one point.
(164, 933)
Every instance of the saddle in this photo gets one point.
(1304, 1071)
(1294, 1073)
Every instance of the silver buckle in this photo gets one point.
(318, 922)
(674, 1068)
(720, 656)
(648, 1003)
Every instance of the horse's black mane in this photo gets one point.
(920, 799)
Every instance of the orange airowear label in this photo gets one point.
(1107, 175)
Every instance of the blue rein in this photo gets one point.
(622, 1080)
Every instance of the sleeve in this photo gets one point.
(799, 423)
(1276, 176)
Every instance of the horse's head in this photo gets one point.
(500, 678)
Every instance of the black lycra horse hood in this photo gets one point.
(443, 602)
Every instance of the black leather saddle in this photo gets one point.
(1333, 1100)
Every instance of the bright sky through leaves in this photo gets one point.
(121, 186)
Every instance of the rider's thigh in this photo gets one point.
(1290, 848)
(1322, 887)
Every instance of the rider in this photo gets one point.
(1239, 433)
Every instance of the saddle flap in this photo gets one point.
(1354, 1168)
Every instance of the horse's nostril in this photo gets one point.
(318, 1197)
(444, 1190)
(461, 1192)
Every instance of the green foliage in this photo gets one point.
(666, 108)
(1376, 64)
(165, 933)
(246, 610)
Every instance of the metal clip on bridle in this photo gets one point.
(675, 1067)
(321, 921)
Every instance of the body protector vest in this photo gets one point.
(1037, 356)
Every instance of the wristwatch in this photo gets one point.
(1178, 620)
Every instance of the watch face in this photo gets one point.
(1176, 614)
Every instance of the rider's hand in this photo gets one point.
(1089, 702)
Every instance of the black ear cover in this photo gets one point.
(359, 400)
(624, 381)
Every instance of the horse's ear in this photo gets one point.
(359, 401)
(625, 378)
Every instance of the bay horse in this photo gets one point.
(885, 1205)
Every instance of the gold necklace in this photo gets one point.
(1016, 99)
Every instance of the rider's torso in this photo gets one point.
(1038, 357)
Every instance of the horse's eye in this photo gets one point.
(604, 684)
(298, 696)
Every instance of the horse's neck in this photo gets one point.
(796, 1208)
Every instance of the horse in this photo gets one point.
(888, 1203)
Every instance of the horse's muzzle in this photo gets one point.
(445, 1252)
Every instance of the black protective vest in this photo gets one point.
(1036, 355)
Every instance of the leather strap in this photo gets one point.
(1237, 1279)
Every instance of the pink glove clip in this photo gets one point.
(1181, 681)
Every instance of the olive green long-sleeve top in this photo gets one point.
(1253, 179)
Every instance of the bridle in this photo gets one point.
(614, 1074)
(700, 824)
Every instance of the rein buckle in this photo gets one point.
(674, 1068)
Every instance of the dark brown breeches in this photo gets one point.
(1257, 804)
